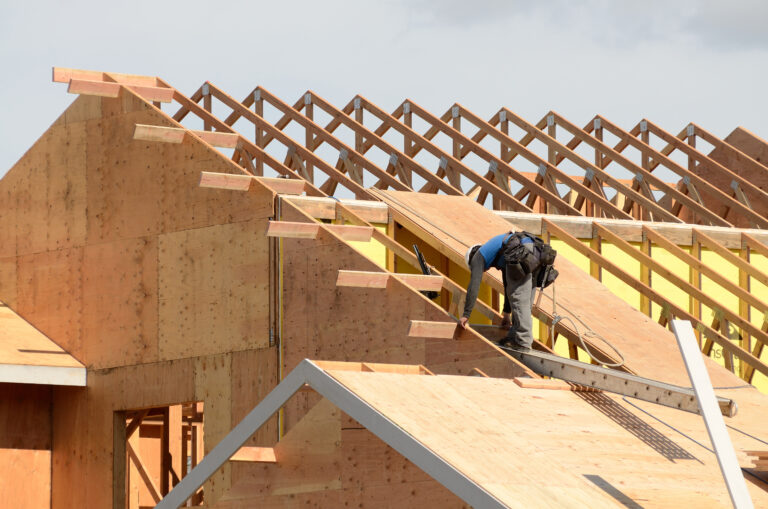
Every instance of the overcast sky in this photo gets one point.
(672, 62)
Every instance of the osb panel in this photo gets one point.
(50, 296)
(120, 302)
(213, 287)
(138, 188)
(213, 386)
(8, 282)
(25, 478)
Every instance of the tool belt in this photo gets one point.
(525, 258)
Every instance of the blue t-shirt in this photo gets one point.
(491, 250)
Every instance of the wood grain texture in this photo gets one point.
(213, 290)
(325, 461)
(22, 344)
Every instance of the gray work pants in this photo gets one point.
(520, 295)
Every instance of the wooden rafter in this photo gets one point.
(594, 174)
(286, 141)
(405, 161)
(739, 184)
(725, 200)
(319, 135)
(448, 165)
(608, 154)
(552, 171)
(437, 125)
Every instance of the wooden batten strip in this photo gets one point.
(287, 229)
(158, 133)
(284, 185)
(255, 455)
(364, 279)
(290, 230)
(64, 75)
(424, 329)
(353, 233)
(225, 181)
(422, 282)
(98, 88)
(108, 89)
(222, 140)
(176, 135)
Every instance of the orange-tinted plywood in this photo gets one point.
(25, 445)
(329, 460)
(120, 309)
(214, 290)
(544, 448)
(22, 344)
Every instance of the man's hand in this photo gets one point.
(463, 321)
(505, 322)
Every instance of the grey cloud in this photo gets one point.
(736, 24)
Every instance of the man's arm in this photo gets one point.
(477, 267)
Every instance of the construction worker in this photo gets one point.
(522, 259)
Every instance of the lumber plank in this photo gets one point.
(291, 230)
(351, 233)
(425, 329)
(293, 186)
(97, 88)
(176, 135)
(421, 143)
(255, 455)
(106, 89)
(159, 133)
(229, 181)
(363, 279)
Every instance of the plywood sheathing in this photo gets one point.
(592, 438)
(98, 217)
(650, 350)
(25, 445)
(329, 460)
(110, 247)
(213, 290)
(750, 147)
(22, 344)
